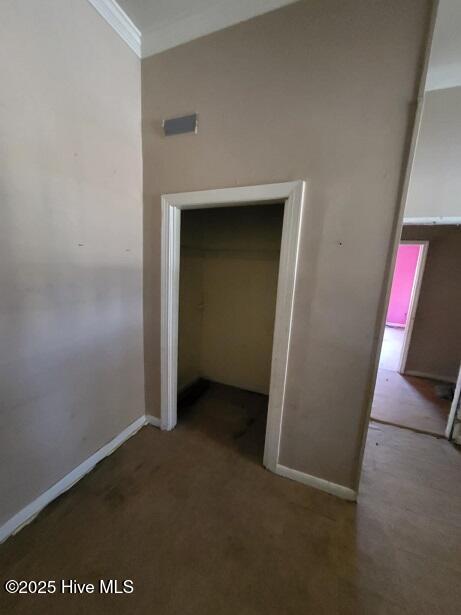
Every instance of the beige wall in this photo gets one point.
(228, 287)
(435, 347)
(435, 185)
(71, 361)
(322, 90)
(190, 317)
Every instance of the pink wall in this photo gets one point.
(402, 284)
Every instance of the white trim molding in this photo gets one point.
(29, 512)
(293, 196)
(152, 420)
(453, 430)
(436, 220)
(414, 298)
(120, 22)
(318, 483)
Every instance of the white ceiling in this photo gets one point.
(167, 23)
(445, 60)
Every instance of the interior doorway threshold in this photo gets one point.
(413, 429)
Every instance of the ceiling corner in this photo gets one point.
(120, 22)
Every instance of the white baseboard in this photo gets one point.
(433, 220)
(411, 372)
(152, 420)
(318, 483)
(29, 512)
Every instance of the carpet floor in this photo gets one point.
(198, 524)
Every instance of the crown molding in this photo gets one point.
(120, 22)
(223, 14)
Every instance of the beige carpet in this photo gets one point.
(194, 519)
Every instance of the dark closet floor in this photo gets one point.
(231, 417)
(202, 528)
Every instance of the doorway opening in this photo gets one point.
(229, 261)
(226, 355)
(412, 391)
(403, 301)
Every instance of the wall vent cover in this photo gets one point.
(180, 125)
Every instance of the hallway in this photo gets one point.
(406, 401)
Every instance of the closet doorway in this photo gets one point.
(244, 371)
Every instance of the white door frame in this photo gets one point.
(414, 298)
(293, 195)
(454, 413)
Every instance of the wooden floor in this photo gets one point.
(201, 527)
(391, 348)
(407, 401)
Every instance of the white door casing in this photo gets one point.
(293, 196)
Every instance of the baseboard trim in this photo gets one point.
(411, 372)
(152, 420)
(318, 483)
(29, 512)
(445, 220)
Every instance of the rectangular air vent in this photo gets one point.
(180, 125)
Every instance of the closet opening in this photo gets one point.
(229, 267)
(229, 263)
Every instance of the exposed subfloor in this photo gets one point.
(201, 527)
(391, 348)
(407, 401)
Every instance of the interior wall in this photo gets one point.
(71, 362)
(402, 284)
(228, 291)
(190, 299)
(435, 347)
(321, 90)
(435, 182)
